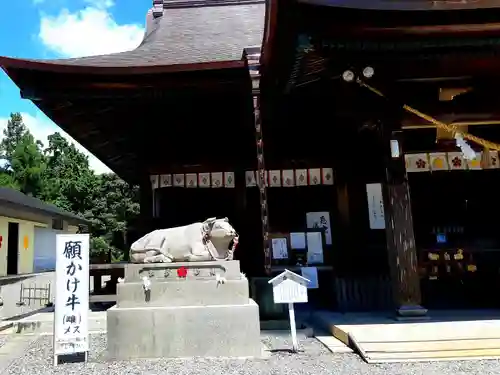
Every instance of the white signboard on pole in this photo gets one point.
(290, 288)
(72, 295)
(375, 206)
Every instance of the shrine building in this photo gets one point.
(353, 136)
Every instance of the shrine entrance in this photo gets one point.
(457, 237)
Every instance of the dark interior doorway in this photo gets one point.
(13, 249)
(455, 211)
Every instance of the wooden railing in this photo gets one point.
(368, 294)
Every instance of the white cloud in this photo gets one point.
(102, 4)
(89, 31)
(41, 127)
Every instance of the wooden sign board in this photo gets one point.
(71, 336)
(288, 287)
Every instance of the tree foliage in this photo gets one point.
(12, 136)
(60, 174)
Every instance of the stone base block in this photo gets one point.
(184, 293)
(411, 311)
(195, 270)
(179, 332)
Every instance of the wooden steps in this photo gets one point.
(381, 339)
(443, 350)
(429, 346)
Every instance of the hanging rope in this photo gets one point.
(453, 129)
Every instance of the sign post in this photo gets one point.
(72, 296)
(290, 288)
(293, 328)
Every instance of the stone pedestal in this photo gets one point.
(192, 316)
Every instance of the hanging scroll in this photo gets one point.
(279, 248)
(320, 220)
(375, 206)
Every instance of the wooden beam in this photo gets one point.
(481, 29)
(406, 6)
(71, 90)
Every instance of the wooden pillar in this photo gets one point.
(146, 205)
(240, 198)
(401, 246)
(344, 238)
(240, 224)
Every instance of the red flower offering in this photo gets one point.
(182, 272)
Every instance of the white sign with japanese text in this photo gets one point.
(320, 220)
(375, 206)
(72, 294)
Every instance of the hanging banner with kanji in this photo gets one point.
(72, 294)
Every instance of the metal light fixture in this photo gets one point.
(368, 72)
(348, 76)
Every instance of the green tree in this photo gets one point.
(107, 201)
(28, 165)
(7, 180)
(60, 174)
(12, 135)
(71, 182)
(115, 205)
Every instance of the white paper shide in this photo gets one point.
(72, 294)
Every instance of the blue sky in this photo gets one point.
(46, 29)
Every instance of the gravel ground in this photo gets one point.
(314, 359)
(3, 340)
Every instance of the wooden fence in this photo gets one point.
(367, 294)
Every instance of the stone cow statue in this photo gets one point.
(195, 242)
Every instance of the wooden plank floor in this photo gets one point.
(380, 339)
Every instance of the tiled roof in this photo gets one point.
(15, 197)
(189, 32)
